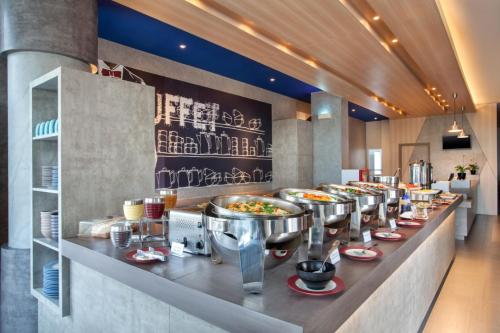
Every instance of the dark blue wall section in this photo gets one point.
(364, 114)
(125, 26)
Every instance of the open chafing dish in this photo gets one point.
(424, 195)
(367, 204)
(256, 241)
(330, 216)
(391, 198)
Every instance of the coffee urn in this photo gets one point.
(421, 173)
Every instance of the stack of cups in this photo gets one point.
(45, 226)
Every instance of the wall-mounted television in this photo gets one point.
(452, 142)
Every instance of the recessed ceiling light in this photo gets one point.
(272, 79)
(433, 88)
(376, 18)
(394, 40)
(375, 118)
(182, 46)
(443, 100)
(353, 110)
(439, 95)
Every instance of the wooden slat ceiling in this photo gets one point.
(420, 29)
(321, 42)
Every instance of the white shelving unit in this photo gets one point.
(104, 151)
(45, 105)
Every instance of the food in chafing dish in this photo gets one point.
(352, 190)
(318, 196)
(257, 208)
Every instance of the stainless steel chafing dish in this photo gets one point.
(367, 205)
(392, 181)
(392, 195)
(423, 195)
(330, 218)
(254, 241)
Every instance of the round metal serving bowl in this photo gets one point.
(392, 181)
(368, 200)
(330, 218)
(392, 194)
(335, 212)
(255, 241)
(423, 195)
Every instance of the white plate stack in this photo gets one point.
(51, 279)
(45, 225)
(50, 176)
(54, 225)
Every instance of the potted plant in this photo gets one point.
(460, 171)
(473, 167)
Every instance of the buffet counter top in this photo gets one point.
(214, 293)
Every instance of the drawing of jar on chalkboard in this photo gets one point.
(258, 175)
(190, 147)
(208, 143)
(166, 178)
(175, 143)
(195, 177)
(225, 144)
(244, 147)
(259, 146)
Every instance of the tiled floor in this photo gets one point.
(470, 298)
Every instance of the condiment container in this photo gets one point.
(121, 234)
(154, 207)
(170, 197)
(133, 209)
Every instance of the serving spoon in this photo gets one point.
(333, 248)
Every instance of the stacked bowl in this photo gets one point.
(46, 176)
(51, 279)
(45, 226)
(54, 225)
(121, 234)
(55, 177)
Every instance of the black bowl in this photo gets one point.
(312, 280)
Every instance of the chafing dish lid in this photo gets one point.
(218, 206)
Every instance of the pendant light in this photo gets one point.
(454, 127)
(462, 134)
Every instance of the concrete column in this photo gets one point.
(330, 137)
(3, 152)
(36, 37)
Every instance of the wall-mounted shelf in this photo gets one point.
(50, 243)
(47, 137)
(45, 190)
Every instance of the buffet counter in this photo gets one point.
(394, 291)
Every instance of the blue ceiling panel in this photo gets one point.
(364, 114)
(125, 26)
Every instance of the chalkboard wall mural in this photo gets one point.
(204, 137)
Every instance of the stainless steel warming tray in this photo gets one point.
(255, 241)
(367, 205)
(392, 194)
(330, 215)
